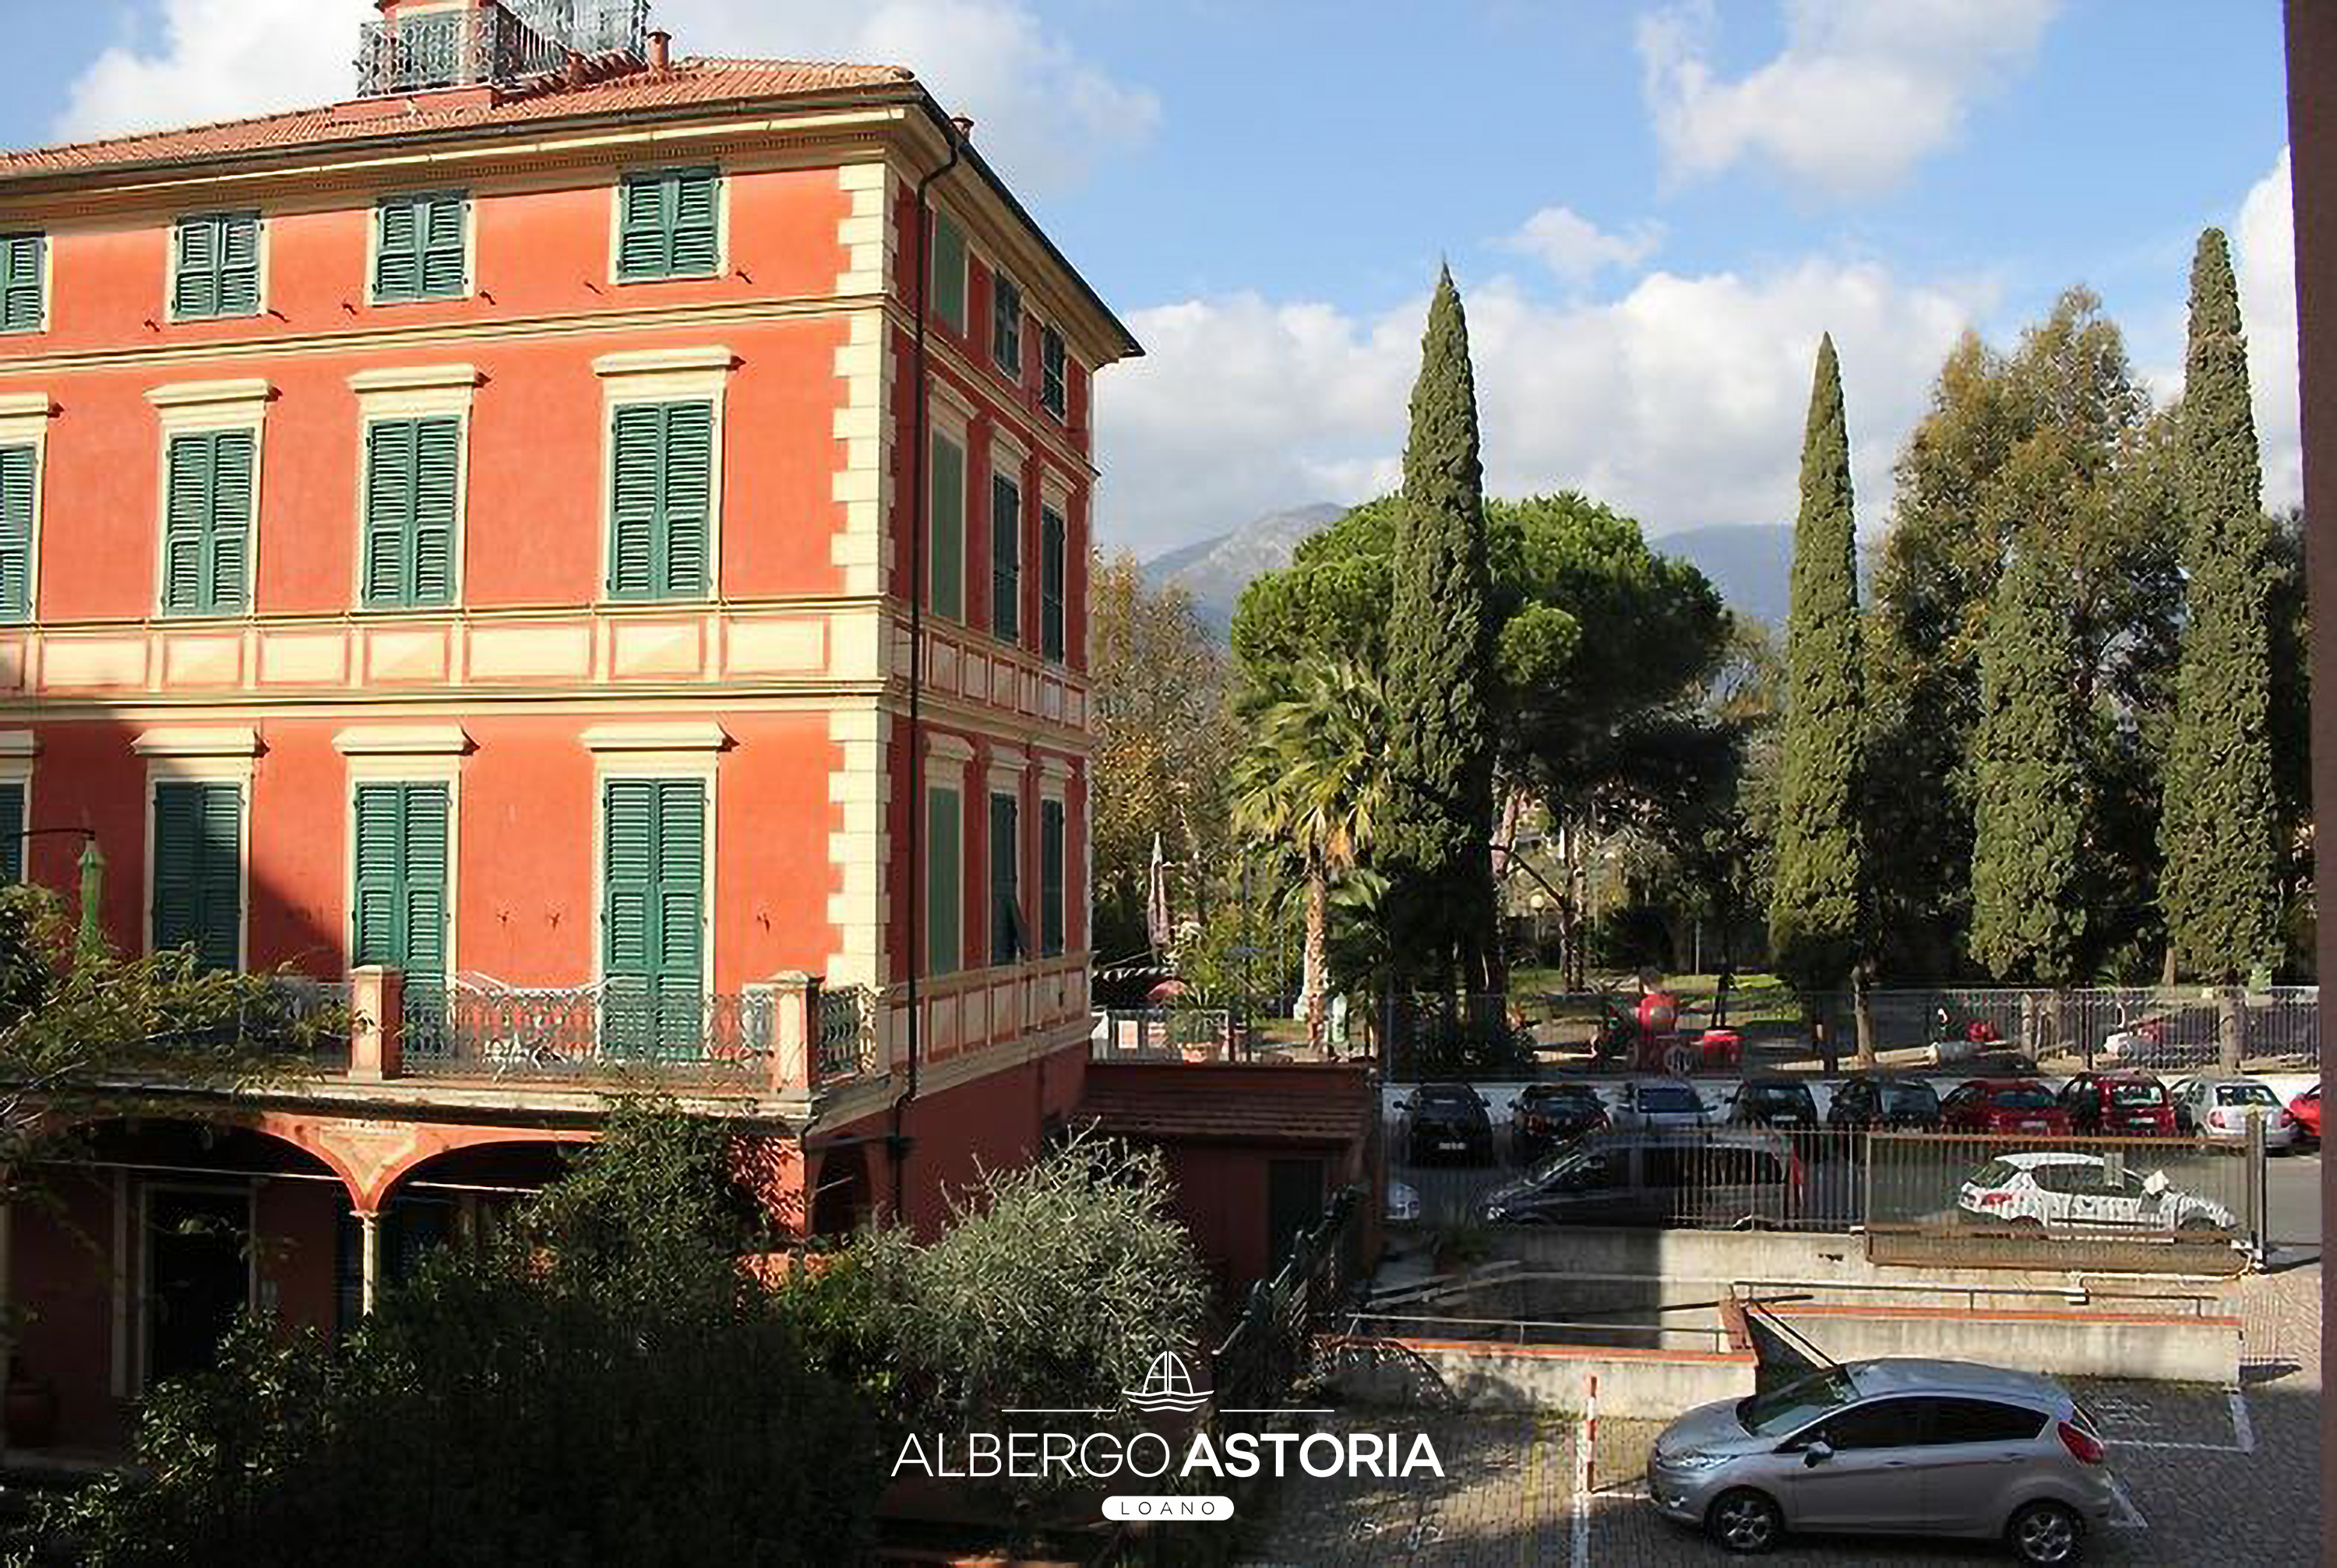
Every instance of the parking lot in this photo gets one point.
(2207, 1474)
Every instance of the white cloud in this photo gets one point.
(1862, 89)
(1575, 249)
(1046, 115)
(1681, 403)
(2263, 246)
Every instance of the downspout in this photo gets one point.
(920, 504)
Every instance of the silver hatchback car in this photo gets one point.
(1891, 1446)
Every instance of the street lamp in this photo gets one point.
(93, 878)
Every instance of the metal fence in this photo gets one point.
(1844, 1180)
(485, 1029)
(1163, 1033)
(847, 1033)
(1260, 1362)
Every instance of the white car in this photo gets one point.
(1403, 1204)
(2221, 1108)
(2060, 1190)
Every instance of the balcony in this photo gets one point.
(788, 1038)
(491, 43)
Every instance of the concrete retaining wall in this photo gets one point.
(1653, 1384)
(2170, 1349)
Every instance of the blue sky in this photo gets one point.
(1653, 208)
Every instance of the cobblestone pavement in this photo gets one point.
(2211, 1475)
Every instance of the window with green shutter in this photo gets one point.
(199, 871)
(1051, 568)
(945, 552)
(1051, 878)
(413, 474)
(207, 522)
(653, 915)
(23, 286)
(1005, 558)
(1008, 942)
(399, 919)
(421, 249)
(945, 879)
(661, 502)
(19, 481)
(12, 830)
(669, 225)
(949, 273)
(217, 267)
(1006, 326)
(1053, 389)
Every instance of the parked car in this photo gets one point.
(1660, 1102)
(1445, 1121)
(2221, 1108)
(2115, 1104)
(2003, 1106)
(1738, 1177)
(1775, 1101)
(1545, 1115)
(1897, 1446)
(1880, 1100)
(2056, 1191)
(2305, 1111)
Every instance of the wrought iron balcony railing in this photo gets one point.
(495, 42)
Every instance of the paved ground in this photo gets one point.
(2212, 1474)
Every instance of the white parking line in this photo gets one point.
(2129, 1517)
(2244, 1430)
(1582, 1497)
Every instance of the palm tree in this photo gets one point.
(1314, 782)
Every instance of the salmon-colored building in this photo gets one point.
(587, 550)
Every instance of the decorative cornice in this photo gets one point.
(415, 378)
(663, 361)
(208, 394)
(402, 740)
(680, 736)
(208, 741)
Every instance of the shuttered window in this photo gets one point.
(207, 522)
(945, 879)
(1051, 878)
(217, 267)
(400, 920)
(1053, 393)
(1008, 942)
(19, 477)
(1006, 326)
(1052, 567)
(661, 502)
(12, 831)
(199, 871)
(24, 288)
(653, 915)
(1005, 558)
(413, 472)
(420, 249)
(949, 273)
(946, 555)
(669, 225)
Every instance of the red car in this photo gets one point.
(2306, 1109)
(2003, 1106)
(2119, 1105)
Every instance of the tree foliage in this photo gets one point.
(1440, 639)
(1815, 913)
(2221, 887)
(2029, 905)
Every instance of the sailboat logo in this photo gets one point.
(1167, 1385)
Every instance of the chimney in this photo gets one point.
(964, 124)
(661, 50)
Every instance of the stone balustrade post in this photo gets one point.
(795, 1032)
(376, 1024)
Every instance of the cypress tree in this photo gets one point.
(1441, 762)
(2029, 913)
(2220, 887)
(1815, 898)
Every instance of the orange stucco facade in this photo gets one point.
(784, 687)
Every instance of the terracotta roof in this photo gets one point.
(687, 81)
(1188, 1105)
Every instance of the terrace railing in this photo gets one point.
(495, 42)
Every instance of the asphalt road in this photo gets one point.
(2292, 1200)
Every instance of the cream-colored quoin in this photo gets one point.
(859, 852)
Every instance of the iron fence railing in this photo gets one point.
(1261, 1359)
(420, 53)
(291, 1013)
(506, 1031)
(847, 1033)
(1841, 1181)
(1161, 1034)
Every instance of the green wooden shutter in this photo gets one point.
(949, 272)
(695, 245)
(653, 886)
(688, 500)
(639, 460)
(218, 270)
(11, 832)
(401, 835)
(420, 250)
(199, 871)
(389, 509)
(945, 557)
(186, 513)
(19, 476)
(380, 847)
(1051, 566)
(195, 291)
(1053, 393)
(1006, 326)
(397, 249)
(1051, 878)
(1005, 558)
(945, 879)
(1006, 943)
(231, 519)
(669, 224)
(682, 915)
(207, 522)
(661, 502)
(643, 250)
(437, 476)
(239, 271)
(444, 254)
(24, 297)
